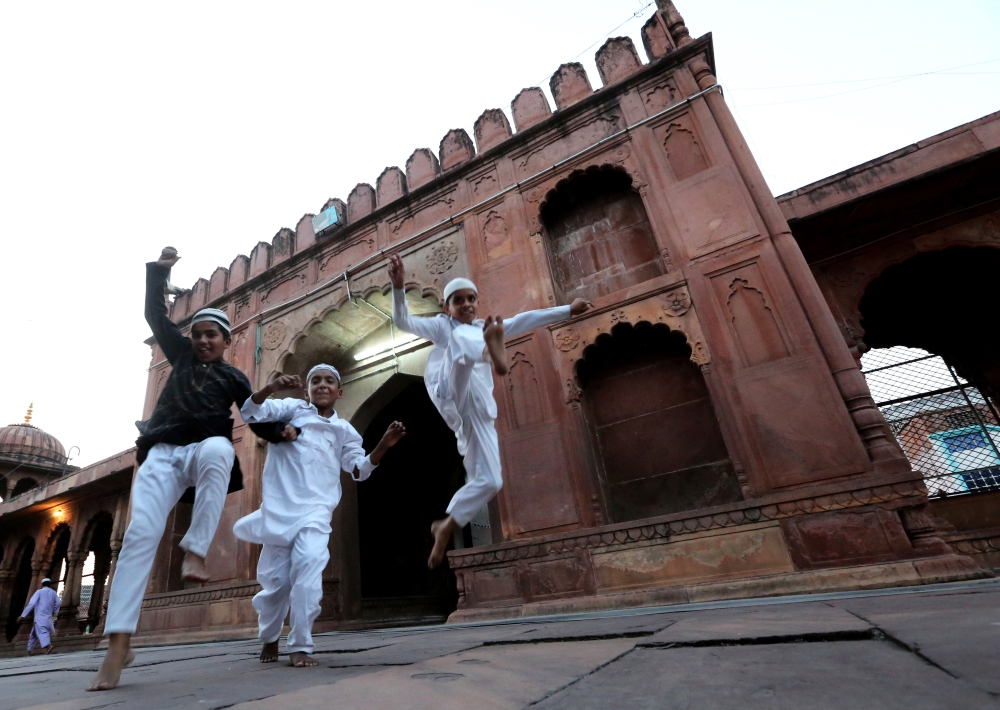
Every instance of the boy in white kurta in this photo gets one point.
(459, 381)
(301, 489)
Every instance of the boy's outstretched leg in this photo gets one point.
(269, 653)
(209, 464)
(119, 655)
(493, 335)
(442, 531)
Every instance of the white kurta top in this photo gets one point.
(45, 604)
(301, 481)
(439, 329)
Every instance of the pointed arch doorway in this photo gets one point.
(396, 506)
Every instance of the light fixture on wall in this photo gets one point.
(398, 342)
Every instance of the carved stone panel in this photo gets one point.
(671, 307)
(554, 148)
(756, 326)
(711, 211)
(524, 386)
(283, 288)
(537, 489)
(678, 136)
(336, 260)
(785, 406)
(660, 94)
(496, 235)
(484, 184)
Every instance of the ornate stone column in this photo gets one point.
(116, 547)
(66, 622)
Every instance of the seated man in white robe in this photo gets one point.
(44, 605)
(301, 489)
(460, 384)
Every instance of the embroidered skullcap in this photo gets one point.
(215, 316)
(457, 285)
(322, 366)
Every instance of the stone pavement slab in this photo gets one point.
(632, 626)
(933, 647)
(854, 675)
(762, 622)
(958, 632)
(491, 678)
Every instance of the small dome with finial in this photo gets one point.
(26, 443)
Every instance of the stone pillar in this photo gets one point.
(66, 622)
(102, 572)
(868, 420)
(116, 547)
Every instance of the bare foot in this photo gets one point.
(48, 650)
(493, 335)
(269, 653)
(442, 530)
(193, 568)
(301, 659)
(119, 655)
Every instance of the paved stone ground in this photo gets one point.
(914, 648)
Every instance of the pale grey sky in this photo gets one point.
(210, 125)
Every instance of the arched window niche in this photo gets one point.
(656, 438)
(598, 236)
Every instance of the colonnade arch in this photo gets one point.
(932, 360)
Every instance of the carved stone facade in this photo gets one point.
(709, 330)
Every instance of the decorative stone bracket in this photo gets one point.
(672, 307)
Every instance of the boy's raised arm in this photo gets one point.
(430, 328)
(168, 336)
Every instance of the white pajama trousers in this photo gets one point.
(473, 425)
(291, 578)
(160, 482)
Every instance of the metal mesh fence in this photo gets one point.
(947, 428)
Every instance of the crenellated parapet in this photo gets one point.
(436, 187)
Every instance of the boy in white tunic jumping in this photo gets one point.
(460, 384)
(301, 489)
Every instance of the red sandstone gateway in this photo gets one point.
(705, 432)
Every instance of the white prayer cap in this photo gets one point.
(457, 285)
(322, 366)
(46, 581)
(215, 316)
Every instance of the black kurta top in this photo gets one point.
(197, 399)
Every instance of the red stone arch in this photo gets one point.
(597, 233)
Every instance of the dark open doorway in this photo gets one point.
(396, 506)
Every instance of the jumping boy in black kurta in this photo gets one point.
(186, 443)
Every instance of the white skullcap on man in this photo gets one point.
(319, 367)
(46, 581)
(457, 285)
(215, 316)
